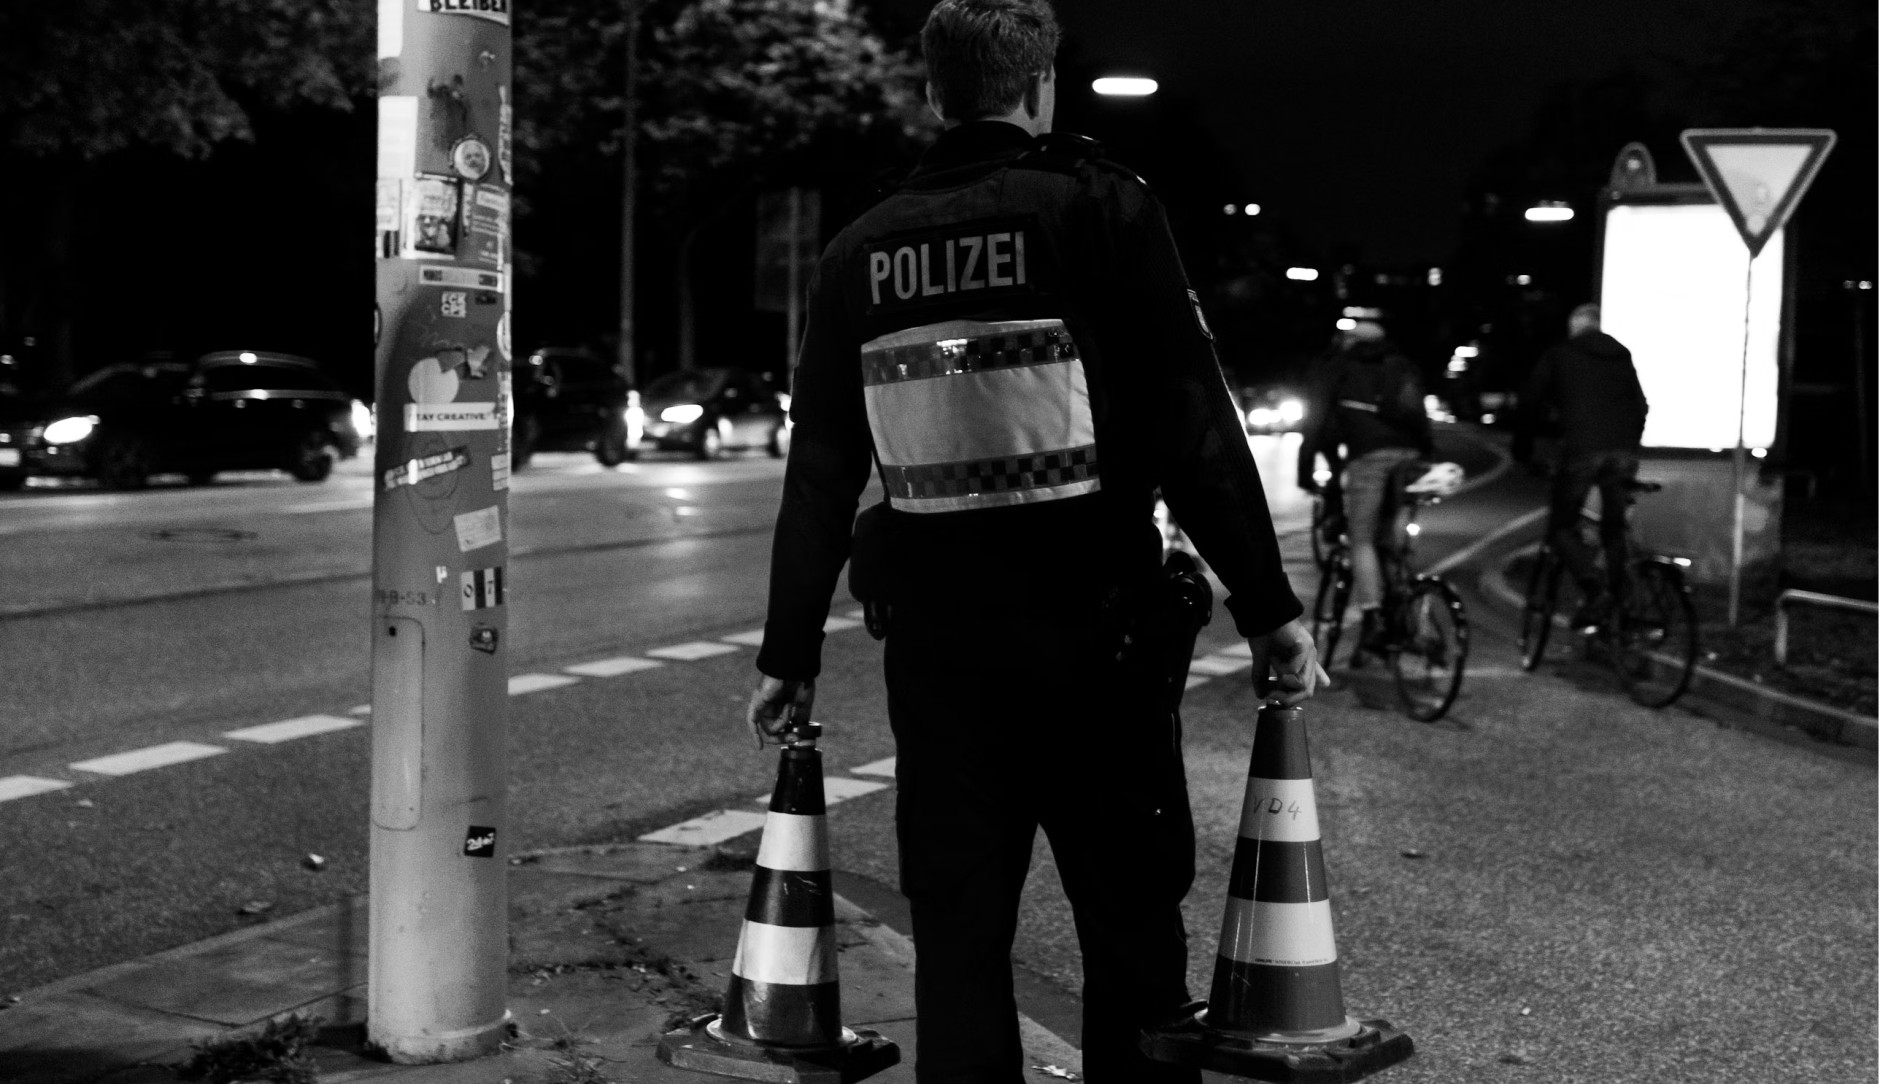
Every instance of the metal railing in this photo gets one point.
(1797, 596)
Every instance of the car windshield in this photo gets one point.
(691, 385)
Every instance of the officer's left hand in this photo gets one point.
(1286, 665)
(777, 705)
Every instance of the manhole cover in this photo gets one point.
(199, 534)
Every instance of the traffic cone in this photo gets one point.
(782, 1018)
(1276, 1011)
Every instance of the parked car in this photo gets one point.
(226, 410)
(569, 400)
(711, 411)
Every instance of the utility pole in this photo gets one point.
(439, 831)
(629, 200)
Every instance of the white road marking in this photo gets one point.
(328, 506)
(1196, 679)
(289, 729)
(1217, 665)
(25, 786)
(837, 788)
(1469, 551)
(1241, 650)
(878, 767)
(753, 638)
(697, 649)
(856, 615)
(606, 668)
(535, 683)
(362, 709)
(714, 827)
(838, 624)
(155, 756)
(1492, 672)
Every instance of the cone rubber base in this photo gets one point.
(1375, 1046)
(704, 1049)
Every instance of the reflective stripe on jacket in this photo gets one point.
(971, 414)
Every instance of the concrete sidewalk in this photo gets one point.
(609, 946)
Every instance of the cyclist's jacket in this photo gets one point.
(1367, 397)
(1591, 381)
(1008, 339)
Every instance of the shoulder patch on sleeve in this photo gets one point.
(1201, 321)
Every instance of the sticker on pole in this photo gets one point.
(496, 11)
(479, 842)
(427, 467)
(482, 588)
(467, 278)
(1758, 175)
(449, 417)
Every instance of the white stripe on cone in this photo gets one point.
(1282, 810)
(791, 955)
(1281, 934)
(794, 841)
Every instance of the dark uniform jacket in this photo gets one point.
(1590, 381)
(1008, 341)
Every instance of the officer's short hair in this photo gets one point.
(981, 54)
(1587, 314)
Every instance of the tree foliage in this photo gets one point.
(90, 77)
(759, 89)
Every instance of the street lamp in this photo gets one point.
(1124, 86)
(1550, 210)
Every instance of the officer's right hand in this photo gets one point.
(776, 706)
(1286, 665)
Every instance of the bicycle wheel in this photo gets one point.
(1537, 611)
(1328, 608)
(1655, 635)
(1327, 525)
(1432, 634)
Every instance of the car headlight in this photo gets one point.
(1262, 415)
(1292, 411)
(682, 414)
(70, 430)
(362, 422)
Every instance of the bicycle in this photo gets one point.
(1425, 622)
(1649, 634)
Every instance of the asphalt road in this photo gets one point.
(1550, 884)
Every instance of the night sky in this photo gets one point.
(1359, 120)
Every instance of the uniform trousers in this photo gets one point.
(1005, 724)
(1609, 472)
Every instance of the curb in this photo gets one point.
(1727, 692)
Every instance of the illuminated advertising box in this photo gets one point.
(1672, 282)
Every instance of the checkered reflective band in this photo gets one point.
(885, 361)
(1035, 474)
(972, 414)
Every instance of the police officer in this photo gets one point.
(1007, 337)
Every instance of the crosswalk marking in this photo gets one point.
(1217, 665)
(838, 624)
(289, 729)
(535, 683)
(155, 756)
(25, 786)
(878, 767)
(837, 788)
(606, 668)
(697, 649)
(753, 638)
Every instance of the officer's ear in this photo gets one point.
(1034, 96)
(933, 103)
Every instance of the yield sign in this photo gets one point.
(1758, 174)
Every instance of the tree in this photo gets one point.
(82, 81)
(735, 95)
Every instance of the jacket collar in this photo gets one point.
(974, 142)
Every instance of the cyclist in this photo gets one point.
(1590, 382)
(1369, 397)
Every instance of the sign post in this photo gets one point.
(1758, 175)
(439, 835)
